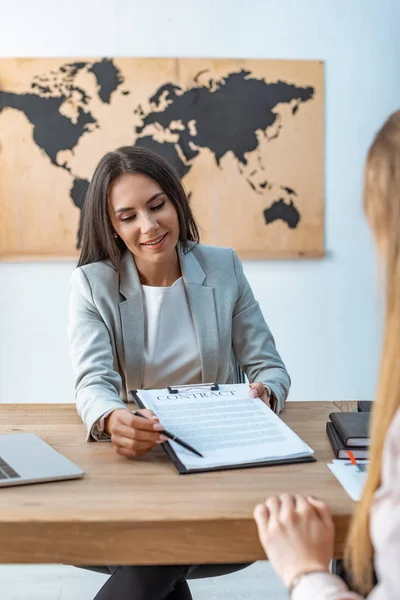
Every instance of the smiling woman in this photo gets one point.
(146, 220)
(130, 185)
(151, 307)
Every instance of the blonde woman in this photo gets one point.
(297, 532)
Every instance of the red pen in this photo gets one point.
(355, 463)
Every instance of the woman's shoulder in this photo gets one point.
(212, 253)
(99, 273)
(215, 260)
(218, 263)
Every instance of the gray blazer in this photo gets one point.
(106, 329)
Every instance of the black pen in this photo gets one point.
(171, 436)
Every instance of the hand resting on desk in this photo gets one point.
(132, 436)
(297, 534)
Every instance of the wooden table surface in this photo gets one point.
(143, 511)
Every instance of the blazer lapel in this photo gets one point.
(132, 320)
(202, 306)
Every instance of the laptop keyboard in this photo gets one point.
(6, 471)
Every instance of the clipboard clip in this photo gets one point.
(175, 389)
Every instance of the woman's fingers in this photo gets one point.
(260, 515)
(273, 505)
(287, 508)
(145, 424)
(322, 510)
(135, 447)
(257, 389)
(130, 424)
(302, 505)
(147, 413)
(133, 435)
(141, 435)
(126, 417)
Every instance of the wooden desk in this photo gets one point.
(142, 511)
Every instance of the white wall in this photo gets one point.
(323, 313)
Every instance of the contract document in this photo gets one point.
(227, 427)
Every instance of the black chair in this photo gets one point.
(238, 373)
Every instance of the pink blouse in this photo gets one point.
(385, 535)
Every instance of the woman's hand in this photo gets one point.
(296, 533)
(258, 390)
(133, 436)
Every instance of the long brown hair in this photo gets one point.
(98, 242)
(382, 207)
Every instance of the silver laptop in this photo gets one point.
(25, 458)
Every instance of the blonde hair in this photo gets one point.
(382, 208)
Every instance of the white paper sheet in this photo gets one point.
(350, 477)
(226, 426)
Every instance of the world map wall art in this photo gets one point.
(245, 136)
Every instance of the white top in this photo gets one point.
(171, 351)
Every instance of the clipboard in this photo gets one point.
(183, 470)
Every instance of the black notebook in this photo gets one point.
(230, 430)
(364, 405)
(353, 427)
(339, 448)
